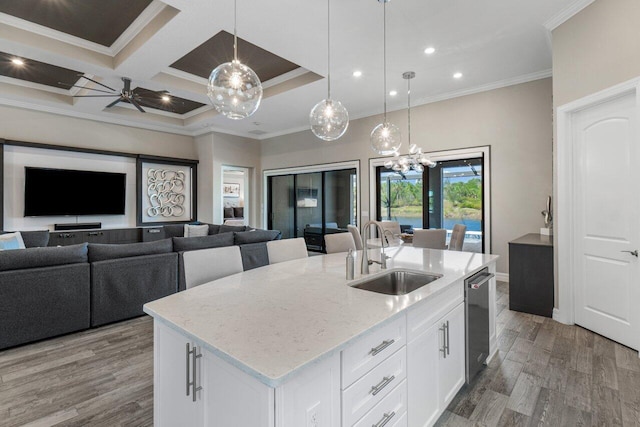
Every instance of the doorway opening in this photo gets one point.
(235, 195)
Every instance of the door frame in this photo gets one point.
(246, 182)
(564, 200)
(455, 154)
(325, 167)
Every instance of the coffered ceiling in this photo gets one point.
(173, 45)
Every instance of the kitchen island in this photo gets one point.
(294, 344)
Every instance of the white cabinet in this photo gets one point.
(436, 367)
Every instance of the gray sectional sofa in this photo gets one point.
(50, 291)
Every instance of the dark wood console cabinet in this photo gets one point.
(115, 235)
(531, 274)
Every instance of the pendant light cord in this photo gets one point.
(235, 31)
(328, 49)
(384, 57)
(409, 107)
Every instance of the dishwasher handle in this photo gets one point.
(484, 278)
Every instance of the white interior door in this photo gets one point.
(606, 227)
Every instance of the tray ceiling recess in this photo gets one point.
(97, 21)
(36, 71)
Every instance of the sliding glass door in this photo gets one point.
(311, 205)
(440, 197)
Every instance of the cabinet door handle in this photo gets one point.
(382, 384)
(385, 419)
(192, 374)
(382, 346)
(444, 340)
(634, 253)
(448, 340)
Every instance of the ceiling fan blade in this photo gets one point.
(95, 96)
(84, 87)
(114, 103)
(98, 83)
(135, 104)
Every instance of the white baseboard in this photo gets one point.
(502, 277)
(559, 317)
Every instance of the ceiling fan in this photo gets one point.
(125, 95)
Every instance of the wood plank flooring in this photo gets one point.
(549, 374)
(545, 374)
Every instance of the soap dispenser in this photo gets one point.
(351, 265)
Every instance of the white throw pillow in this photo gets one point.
(196, 230)
(11, 241)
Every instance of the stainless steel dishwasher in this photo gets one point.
(476, 290)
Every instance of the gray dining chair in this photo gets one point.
(457, 237)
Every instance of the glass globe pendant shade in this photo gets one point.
(234, 90)
(329, 120)
(386, 139)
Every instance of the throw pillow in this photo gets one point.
(236, 228)
(181, 244)
(214, 229)
(238, 212)
(11, 241)
(35, 239)
(256, 236)
(196, 230)
(228, 213)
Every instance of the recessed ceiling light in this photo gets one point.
(457, 76)
(430, 50)
(357, 73)
(17, 61)
(166, 98)
(393, 93)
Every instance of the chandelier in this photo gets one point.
(416, 160)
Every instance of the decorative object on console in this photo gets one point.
(547, 230)
(329, 119)
(230, 189)
(386, 137)
(415, 160)
(234, 89)
(166, 191)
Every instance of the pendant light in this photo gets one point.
(329, 119)
(234, 89)
(416, 160)
(386, 137)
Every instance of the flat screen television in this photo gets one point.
(49, 192)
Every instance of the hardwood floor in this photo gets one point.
(545, 374)
(549, 374)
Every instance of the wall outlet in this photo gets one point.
(313, 416)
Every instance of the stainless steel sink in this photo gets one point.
(398, 282)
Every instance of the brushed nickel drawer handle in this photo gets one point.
(382, 384)
(385, 419)
(386, 343)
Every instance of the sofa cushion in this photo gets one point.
(256, 236)
(102, 252)
(174, 230)
(10, 241)
(181, 244)
(43, 257)
(238, 212)
(214, 229)
(191, 230)
(35, 239)
(228, 213)
(236, 228)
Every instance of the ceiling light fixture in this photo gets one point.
(416, 159)
(234, 89)
(386, 137)
(457, 76)
(329, 119)
(166, 98)
(17, 61)
(430, 50)
(357, 73)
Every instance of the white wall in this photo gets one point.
(514, 121)
(16, 158)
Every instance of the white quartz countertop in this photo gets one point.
(275, 320)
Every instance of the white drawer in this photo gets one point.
(360, 357)
(423, 315)
(391, 409)
(359, 398)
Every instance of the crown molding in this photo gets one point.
(136, 26)
(565, 14)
